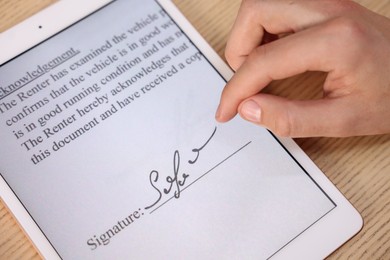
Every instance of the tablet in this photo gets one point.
(110, 150)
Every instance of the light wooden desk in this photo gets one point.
(359, 166)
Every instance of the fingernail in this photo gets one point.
(251, 111)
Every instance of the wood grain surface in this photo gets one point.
(358, 166)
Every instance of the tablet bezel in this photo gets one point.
(344, 218)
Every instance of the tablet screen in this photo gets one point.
(109, 141)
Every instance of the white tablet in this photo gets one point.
(110, 150)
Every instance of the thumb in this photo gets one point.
(297, 118)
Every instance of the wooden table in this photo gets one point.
(358, 166)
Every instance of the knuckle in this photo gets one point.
(338, 8)
(346, 6)
(347, 37)
(348, 30)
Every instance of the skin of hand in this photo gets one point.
(347, 41)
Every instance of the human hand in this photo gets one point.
(342, 38)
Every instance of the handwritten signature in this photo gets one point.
(176, 182)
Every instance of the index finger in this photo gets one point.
(280, 59)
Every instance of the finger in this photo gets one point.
(293, 118)
(246, 34)
(276, 17)
(277, 60)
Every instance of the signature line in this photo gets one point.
(200, 177)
